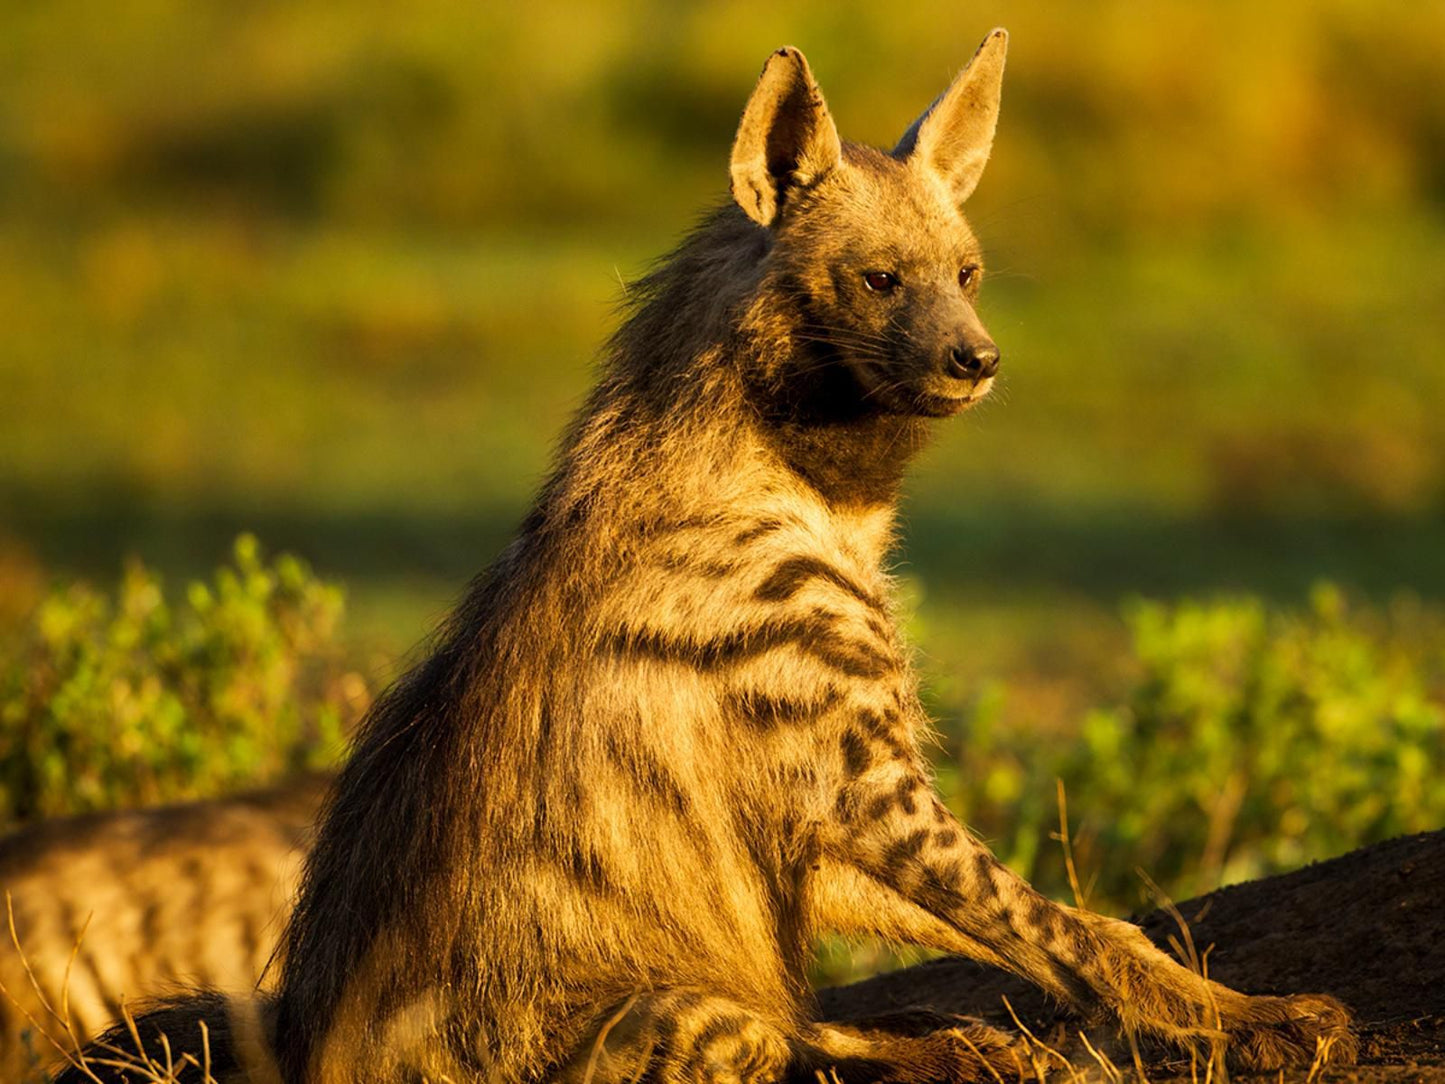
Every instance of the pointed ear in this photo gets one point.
(786, 139)
(955, 134)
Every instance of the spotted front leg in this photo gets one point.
(899, 864)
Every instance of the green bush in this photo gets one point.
(1251, 741)
(132, 700)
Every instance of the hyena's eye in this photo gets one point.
(880, 282)
(968, 275)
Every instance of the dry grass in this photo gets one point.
(71, 1049)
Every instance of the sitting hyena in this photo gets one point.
(671, 734)
(169, 897)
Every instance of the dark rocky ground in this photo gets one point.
(1368, 927)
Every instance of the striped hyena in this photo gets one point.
(173, 896)
(672, 732)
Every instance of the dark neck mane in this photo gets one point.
(824, 429)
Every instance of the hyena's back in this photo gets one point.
(184, 895)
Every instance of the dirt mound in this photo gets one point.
(1368, 927)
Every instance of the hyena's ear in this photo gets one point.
(954, 135)
(786, 139)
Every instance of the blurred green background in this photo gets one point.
(335, 273)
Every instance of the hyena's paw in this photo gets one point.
(1275, 1032)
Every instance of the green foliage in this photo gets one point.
(134, 700)
(1251, 741)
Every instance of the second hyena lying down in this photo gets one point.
(169, 897)
(673, 732)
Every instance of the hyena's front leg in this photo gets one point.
(924, 877)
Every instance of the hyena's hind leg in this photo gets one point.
(681, 1037)
(685, 1037)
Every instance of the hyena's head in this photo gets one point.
(872, 250)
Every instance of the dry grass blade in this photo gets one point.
(1111, 1071)
(1187, 951)
(1138, 1061)
(130, 1025)
(25, 960)
(1033, 1039)
(72, 1053)
(601, 1039)
(65, 1020)
(1323, 1045)
(983, 1060)
(1189, 954)
(1081, 895)
(73, 1059)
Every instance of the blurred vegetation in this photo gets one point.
(132, 700)
(1250, 740)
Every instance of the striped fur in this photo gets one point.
(168, 897)
(673, 732)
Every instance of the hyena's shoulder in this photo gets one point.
(181, 895)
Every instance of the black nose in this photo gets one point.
(977, 362)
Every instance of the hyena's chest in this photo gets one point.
(744, 655)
